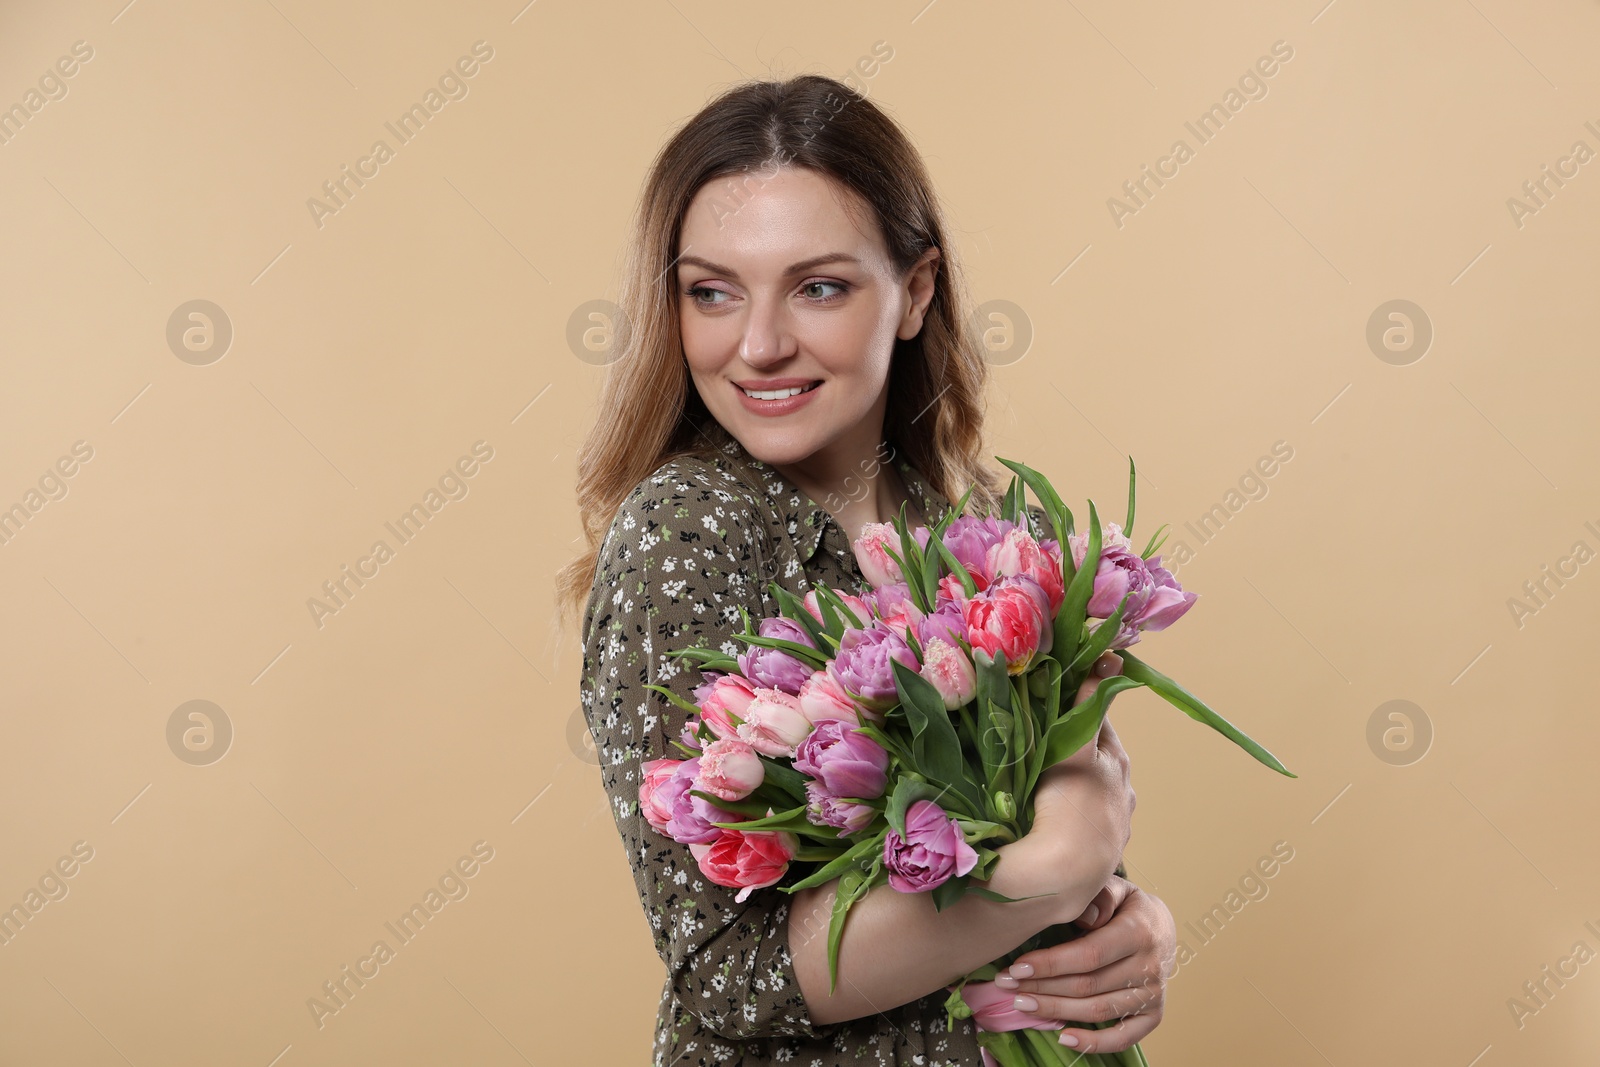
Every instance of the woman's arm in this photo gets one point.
(896, 947)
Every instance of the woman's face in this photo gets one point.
(782, 287)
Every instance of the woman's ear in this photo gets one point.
(919, 293)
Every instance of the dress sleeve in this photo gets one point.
(683, 554)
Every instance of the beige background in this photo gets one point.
(436, 710)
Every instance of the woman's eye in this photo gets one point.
(836, 285)
(694, 291)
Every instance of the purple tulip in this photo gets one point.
(1167, 602)
(773, 668)
(692, 816)
(862, 664)
(946, 622)
(847, 762)
(932, 851)
(826, 810)
(969, 539)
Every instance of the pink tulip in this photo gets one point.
(691, 816)
(729, 769)
(1169, 600)
(774, 723)
(1011, 616)
(847, 762)
(876, 565)
(992, 1010)
(948, 670)
(723, 698)
(653, 804)
(688, 736)
(1018, 553)
(746, 859)
(933, 850)
(854, 603)
(894, 607)
(951, 589)
(823, 698)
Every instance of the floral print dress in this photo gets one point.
(692, 544)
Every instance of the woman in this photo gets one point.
(797, 334)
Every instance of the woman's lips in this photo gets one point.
(785, 406)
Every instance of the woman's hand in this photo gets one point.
(1117, 970)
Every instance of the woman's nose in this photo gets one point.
(766, 334)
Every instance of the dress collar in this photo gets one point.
(804, 518)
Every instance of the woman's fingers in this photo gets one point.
(1125, 1034)
(1105, 904)
(1098, 948)
(1107, 665)
(1130, 1004)
(1130, 972)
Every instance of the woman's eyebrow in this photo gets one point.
(794, 268)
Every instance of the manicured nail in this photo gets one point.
(1068, 1039)
(1021, 970)
(1091, 913)
(1005, 981)
(1023, 1002)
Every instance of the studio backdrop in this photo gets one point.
(306, 309)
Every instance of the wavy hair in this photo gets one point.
(649, 408)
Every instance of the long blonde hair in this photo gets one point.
(649, 410)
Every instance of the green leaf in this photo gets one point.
(815, 658)
(853, 885)
(832, 620)
(814, 854)
(782, 820)
(1052, 712)
(1195, 708)
(935, 748)
(948, 892)
(1075, 602)
(785, 777)
(891, 744)
(965, 576)
(996, 755)
(1127, 527)
(980, 871)
(675, 698)
(748, 806)
(859, 851)
(1054, 508)
(710, 659)
(990, 894)
(1150, 548)
(1024, 728)
(1097, 642)
(1010, 505)
(843, 609)
(794, 608)
(1080, 724)
(907, 791)
(915, 645)
(993, 677)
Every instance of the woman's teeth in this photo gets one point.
(779, 394)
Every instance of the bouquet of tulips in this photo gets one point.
(897, 733)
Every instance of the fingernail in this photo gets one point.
(1023, 1002)
(1005, 981)
(1068, 1039)
(1022, 970)
(1091, 913)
